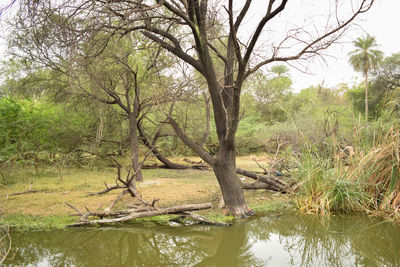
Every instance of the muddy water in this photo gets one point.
(286, 240)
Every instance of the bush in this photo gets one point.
(34, 133)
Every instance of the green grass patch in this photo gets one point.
(274, 206)
(30, 222)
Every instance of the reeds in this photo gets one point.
(361, 177)
(379, 172)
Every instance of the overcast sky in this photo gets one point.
(381, 21)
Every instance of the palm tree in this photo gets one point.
(363, 59)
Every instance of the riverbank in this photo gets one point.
(46, 208)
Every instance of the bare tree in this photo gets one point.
(201, 33)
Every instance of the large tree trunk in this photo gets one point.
(134, 147)
(232, 190)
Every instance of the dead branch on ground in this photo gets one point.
(132, 214)
(127, 184)
(108, 189)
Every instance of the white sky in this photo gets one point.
(381, 21)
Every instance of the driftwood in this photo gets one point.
(135, 214)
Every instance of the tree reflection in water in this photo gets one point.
(301, 240)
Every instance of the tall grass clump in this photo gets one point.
(378, 170)
(323, 188)
(362, 177)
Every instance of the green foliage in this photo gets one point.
(34, 133)
(313, 115)
(247, 135)
(382, 93)
(356, 96)
(269, 94)
(28, 127)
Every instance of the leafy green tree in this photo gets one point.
(271, 94)
(28, 128)
(364, 58)
(389, 70)
(384, 90)
(280, 70)
(383, 93)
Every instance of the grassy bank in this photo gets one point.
(46, 209)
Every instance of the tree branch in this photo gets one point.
(176, 51)
(269, 15)
(308, 49)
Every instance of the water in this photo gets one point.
(286, 240)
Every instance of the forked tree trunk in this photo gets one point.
(232, 190)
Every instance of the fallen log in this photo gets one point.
(137, 215)
(258, 185)
(276, 183)
(201, 167)
(24, 192)
(103, 214)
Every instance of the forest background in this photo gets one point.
(343, 159)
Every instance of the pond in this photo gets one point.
(269, 240)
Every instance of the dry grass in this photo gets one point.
(167, 185)
(379, 171)
(170, 186)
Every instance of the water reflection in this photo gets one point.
(269, 240)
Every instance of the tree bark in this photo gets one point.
(231, 188)
(134, 147)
